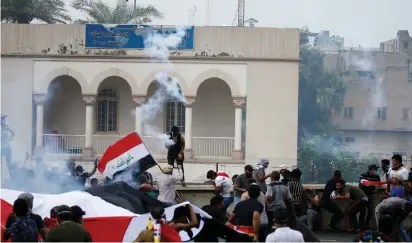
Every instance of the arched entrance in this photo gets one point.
(113, 113)
(63, 117)
(163, 109)
(213, 119)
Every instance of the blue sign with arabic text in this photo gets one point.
(133, 36)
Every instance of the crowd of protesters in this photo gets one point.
(283, 210)
(259, 207)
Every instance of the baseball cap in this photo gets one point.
(77, 211)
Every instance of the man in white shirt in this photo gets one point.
(166, 183)
(223, 185)
(282, 233)
(399, 169)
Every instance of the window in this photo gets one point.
(405, 114)
(350, 139)
(175, 115)
(348, 112)
(382, 113)
(366, 74)
(106, 117)
(410, 76)
(405, 45)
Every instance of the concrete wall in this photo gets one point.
(16, 102)
(260, 64)
(271, 118)
(69, 40)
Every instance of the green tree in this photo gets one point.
(320, 155)
(321, 149)
(121, 13)
(24, 11)
(321, 94)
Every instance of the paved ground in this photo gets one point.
(335, 236)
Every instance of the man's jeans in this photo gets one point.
(236, 200)
(227, 201)
(308, 218)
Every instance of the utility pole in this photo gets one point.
(134, 10)
(241, 13)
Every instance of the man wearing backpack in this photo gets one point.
(278, 195)
(23, 229)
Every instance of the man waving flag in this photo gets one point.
(129, 151)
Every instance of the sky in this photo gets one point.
(360, 22)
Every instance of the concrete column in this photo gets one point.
(88, 151)
(190, 101)
(39, 100)
(139, 100)
(238, 103)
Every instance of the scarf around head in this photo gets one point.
(28, 197)
(263, 163)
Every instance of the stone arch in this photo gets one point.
(63, 71)
(152, 77)
(114, 72)
(215, 73)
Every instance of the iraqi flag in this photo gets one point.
(128, 151)
(109, 216)
(373, 183)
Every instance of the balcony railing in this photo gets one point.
(203, 147)
(62, 144)
(215, 147)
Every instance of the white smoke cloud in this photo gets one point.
(158, 47)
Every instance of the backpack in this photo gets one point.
(24, 230)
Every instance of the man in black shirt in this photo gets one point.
(80, 176)
(247, 213)
(326, 202)
(216, 209)
(369, 190)
(175, 147)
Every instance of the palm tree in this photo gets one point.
(24, 11)
(122, 13)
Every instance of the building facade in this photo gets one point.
(377, 114)
(239, 90)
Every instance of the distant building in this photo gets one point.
(402, 43)
(328, 43)
(377, 113)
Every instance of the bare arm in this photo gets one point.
(185, 226)
(182, 143)
(93, 170)
(256, 224)
(232, 218)
(345, 196)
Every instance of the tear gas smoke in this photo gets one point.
(157, 47)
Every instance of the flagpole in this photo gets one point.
(149, 152)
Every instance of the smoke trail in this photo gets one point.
(158, 47)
